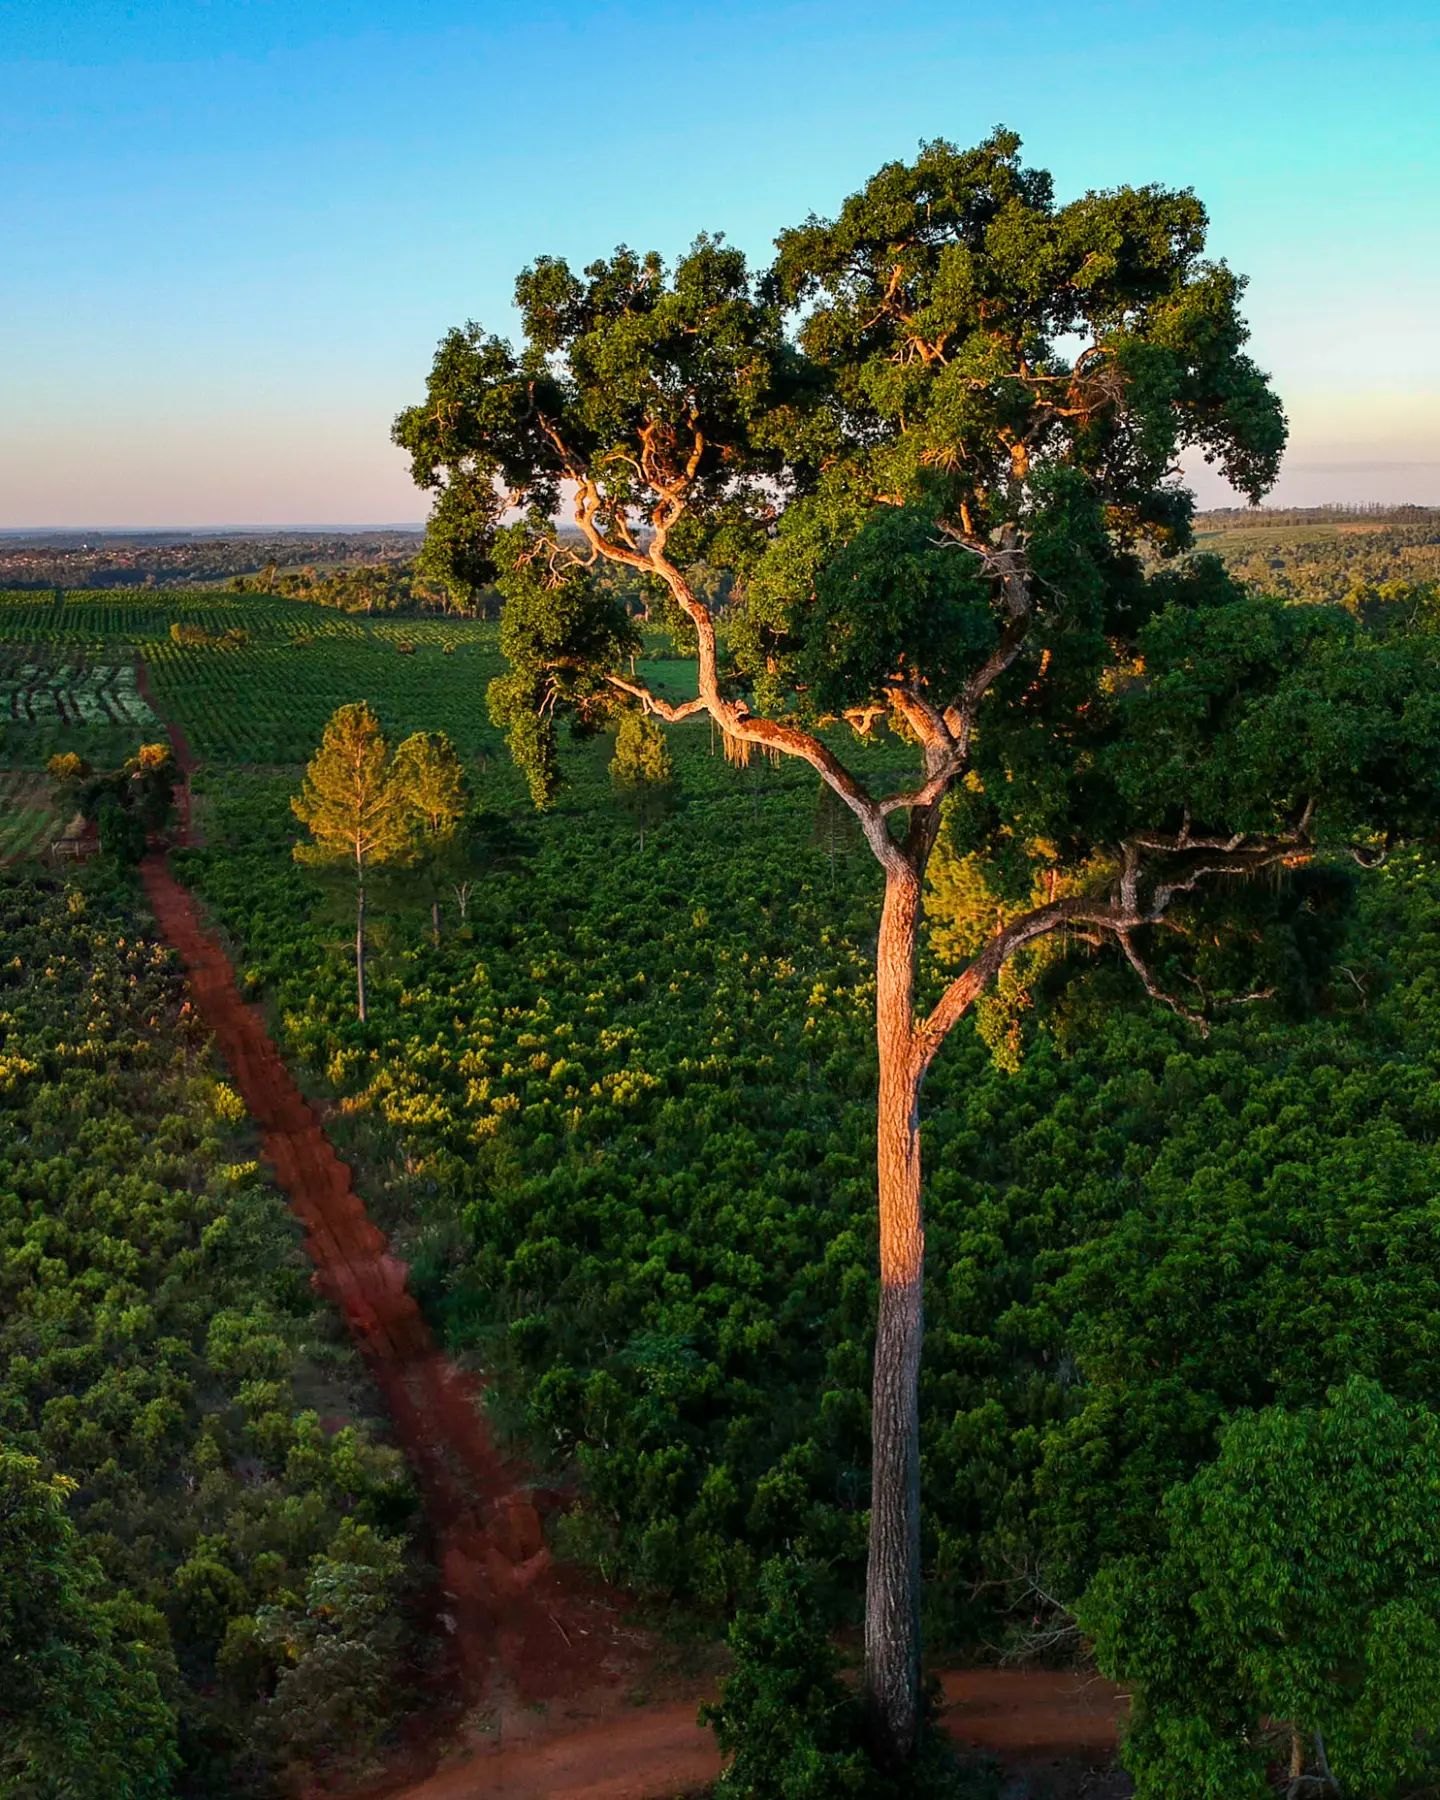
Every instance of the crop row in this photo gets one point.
(102, 616)
(268, 703)
(27, 817)
(98, 694)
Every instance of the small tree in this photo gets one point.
(127, 805)
(336, 1652)
(1299, 1584)
(67, 769)
(933, 441)
(786, 1718)
(431, 778)
(642, 771)
(354, 810)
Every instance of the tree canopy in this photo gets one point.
(1299, 1584)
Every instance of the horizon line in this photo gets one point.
(245, 530)
(417, 527)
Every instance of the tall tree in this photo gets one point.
(931, 442)
(431, 779)
(354, 810)
(641, 770)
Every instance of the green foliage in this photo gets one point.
(560, 630)
(1298, 1581)
(336, 1652)
(788, 1723)
(163, 1366)
(642, 771)
(84, 1676)
(351, 802)
(126, 804)
(456, 553)
(431, 780)
(1133, 1237)
(897, 375)
(186, 633)
(1373, 558)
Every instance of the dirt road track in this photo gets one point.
(1029, 1716)
(522, 1635)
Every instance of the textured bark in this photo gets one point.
(892, 1587)
(435, 920)
(360, 947)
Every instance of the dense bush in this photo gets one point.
(790, 1725)
(1297, 1593)
(623, 1116)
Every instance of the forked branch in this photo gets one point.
(1137, 897)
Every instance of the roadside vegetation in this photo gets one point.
(206, 1576)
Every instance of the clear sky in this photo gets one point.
(232, 232)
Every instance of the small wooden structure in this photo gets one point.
(80, 838)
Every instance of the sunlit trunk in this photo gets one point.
(360, 942)
(892, 1588)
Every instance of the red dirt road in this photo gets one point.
(1027, 1716)
(523, 1636)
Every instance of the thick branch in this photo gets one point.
(1112, 917)
(733, 716)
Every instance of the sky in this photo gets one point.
(232, 231)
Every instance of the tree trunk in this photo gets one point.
(360, 947)
(892, 1586)
(435, 918)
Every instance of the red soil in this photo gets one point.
(1036, 1718)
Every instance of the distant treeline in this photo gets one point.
(145, 560)
(1251, 518)
(369, 587)
(399, 588)
(1328, 553)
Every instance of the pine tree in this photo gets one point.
(642, 771)
(354, 809)
(431, 777)
(833, 828)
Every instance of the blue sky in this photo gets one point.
(232, 232)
